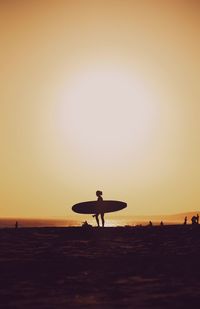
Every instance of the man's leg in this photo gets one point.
(102, 219)
(97, 219)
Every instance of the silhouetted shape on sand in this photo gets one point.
(185, 220)
(86, 225)
(99, 207)
(195, 219)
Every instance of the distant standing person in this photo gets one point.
(16, 225)
(194, 220)
(99, 200)
(185, 221)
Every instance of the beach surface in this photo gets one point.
(119, 267)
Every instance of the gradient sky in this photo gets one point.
(99, 94)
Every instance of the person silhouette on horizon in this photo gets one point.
(86, 225)
(150, 223)
(96, 215)
(194, 220)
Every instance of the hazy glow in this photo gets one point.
(102, 95)
(106, 116)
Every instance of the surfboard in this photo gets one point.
(92, 207)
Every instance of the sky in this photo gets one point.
(99, 95)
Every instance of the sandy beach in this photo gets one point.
(136, 267)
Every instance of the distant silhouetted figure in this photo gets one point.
(185, 221)
(150, 223)
(197, 218)
(16, 225)
(194, 220)
(100, 200)
(161, 223)
(86, 225)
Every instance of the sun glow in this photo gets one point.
(99, 95)
(107, 115)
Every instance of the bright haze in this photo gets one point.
(99, 95)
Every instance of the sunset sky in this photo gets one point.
(99, 94)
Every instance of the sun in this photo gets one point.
(107, 114)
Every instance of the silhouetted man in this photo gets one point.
(99, 200)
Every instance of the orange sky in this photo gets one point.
(99, 95)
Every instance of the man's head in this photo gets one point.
(99, 193)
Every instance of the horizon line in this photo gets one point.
(117, 216)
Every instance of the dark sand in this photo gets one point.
(157, 267)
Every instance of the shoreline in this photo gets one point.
(120, 227)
